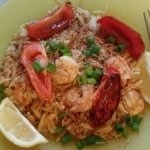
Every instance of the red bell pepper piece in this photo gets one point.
(123, 34)
(41, 81)
(107, 96)
(50, 25)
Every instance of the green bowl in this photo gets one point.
(13, 13)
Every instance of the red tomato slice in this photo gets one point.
(50, 25)
(123, 34)
(41, 82)
(107, 96)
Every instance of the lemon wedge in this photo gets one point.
(144, 65)
(16, 128)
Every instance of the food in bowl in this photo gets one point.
(74, 75)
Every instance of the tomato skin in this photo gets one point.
(45, 28)
(41, 82)
(107, 96)
(123, 34)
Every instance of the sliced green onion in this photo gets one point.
(97, 73)
(82, 80)
(88, 53)
(121, 130)
(91, 81)
(2, 94)
(66, 138)
(89, 71)
(61, 115)
(53, 45)
(51, 67)
(94, 48)
(94, 139)
(90, 40)
(59, 129)
(37, 66)
(120, 48)
(111, 39)
(64, 49)
(80, 144)
(133, 122)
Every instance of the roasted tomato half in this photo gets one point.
(107, 96)
(41, 81)
(50, 25)
(123, 34)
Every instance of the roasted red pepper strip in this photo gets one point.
(41, 81)
(107, 96)
(50, 25)
(123, 34)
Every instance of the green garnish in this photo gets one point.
(119, 128)
(133, 122)
(51, 67)
(94, 139)
(97, 73)
(88, 53)
(37, 66)
(91, 81)
(61, 115)
(90, 76)
(82, 79)
(90, 40)
(89, 71)
(80, 144)
(59, 129)
(120, 48)
(94, 49)
(64, 49)
(53, 45)
(2, 94)
(90, 140)
(66, 138)
(111, 39)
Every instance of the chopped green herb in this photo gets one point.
(2, 94)
(121, 130)
(94, 48)
(82, 79)
(111, 39)
(94, 139)
(59, 129)
(90, 140)
(90, 40)
(133, 122)
(91, 81)
(120, 48)
(88, 53)
(64, 49)
(51, 67)
(37, 66)
(89, 71)
(53, 45)
(66, 138)
(97, 73)
(61, 115)
(80, 144)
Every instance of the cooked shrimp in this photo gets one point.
(80, 100)
(67, 70)
(132, 103)
(122, 66)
